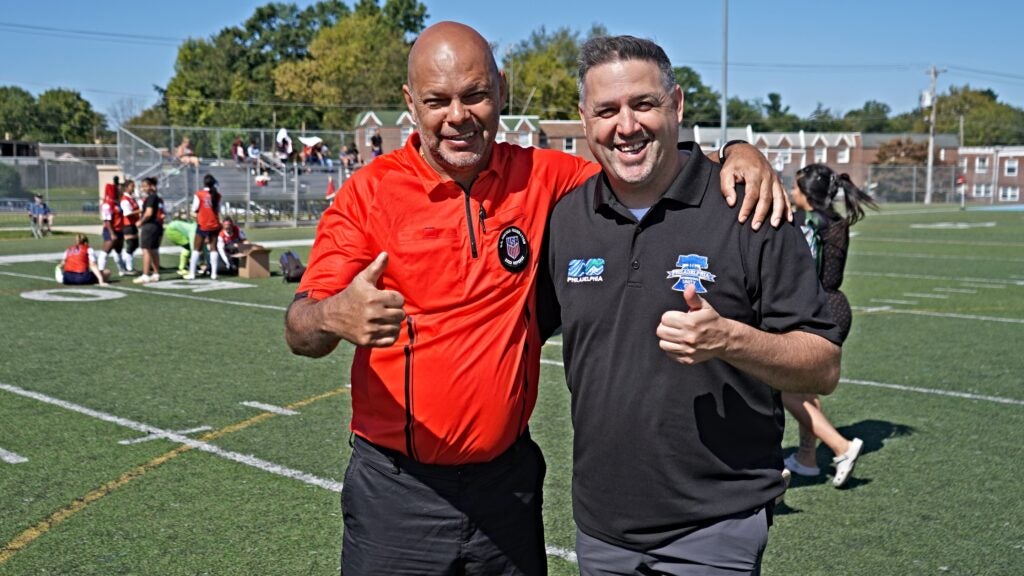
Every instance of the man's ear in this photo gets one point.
(502, 90)
(583, 122)
(407, 93)
(680, 100)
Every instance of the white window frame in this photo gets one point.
(500, 136)
(526, 139)
(787, 156)
(569, 145)
(1009, 193)
(1011, 167)
(962, 163)
(981, 165)
(369, 134)
(406, 132)
(981, 190)
(843, 155)
(820, 154)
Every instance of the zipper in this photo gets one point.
(469, 223)
(409, 443)
(483, 216)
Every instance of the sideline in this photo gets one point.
(26, 537)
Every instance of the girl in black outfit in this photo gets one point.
(828, 235)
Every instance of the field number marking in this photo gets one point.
(11, 457)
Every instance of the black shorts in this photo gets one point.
(131, 230)
(404, 517)
(151, 236)
(107, 237)
(204, 234)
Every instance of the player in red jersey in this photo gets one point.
(206, 207)
(79, 265)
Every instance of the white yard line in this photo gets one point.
(972, 258)
(983, 282)
(11, 457)
(247, 459)
(269, 408)
(889, 301)
(150, 437)
(922, 295)
(956, 290)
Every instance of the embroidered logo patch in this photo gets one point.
(691, 269)
(586, 270)
(513, 251)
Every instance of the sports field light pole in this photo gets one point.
(934, 73)
(724, 118)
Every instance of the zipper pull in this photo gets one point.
(483, 216)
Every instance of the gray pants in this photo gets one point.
(729, 547)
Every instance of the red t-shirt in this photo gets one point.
(113, 208)
(461, 381)
(132, 218)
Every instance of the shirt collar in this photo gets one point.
(431, 179)
(688, 187)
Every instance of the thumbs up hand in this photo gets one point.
(362, 313)
(696, 335)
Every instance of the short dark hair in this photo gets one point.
(605, 49)
(149, 180)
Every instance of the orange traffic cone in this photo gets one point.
(330, 188)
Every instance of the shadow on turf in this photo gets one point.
(874, 433)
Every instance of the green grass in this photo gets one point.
(937, 490)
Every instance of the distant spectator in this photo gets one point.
(255, 157)
(230, 241)
(79, 267)
(151, 224)
(182, 232)
(41, 217)
(130, 211)
(325, 155)
(185, 154)
(376, 144)
(284, 146)
(238, 153)
(206, 207)
(113, 226)
(349, 158)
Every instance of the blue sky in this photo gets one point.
(837, 53)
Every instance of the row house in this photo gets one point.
(990, 172)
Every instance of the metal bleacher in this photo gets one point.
(278, 194)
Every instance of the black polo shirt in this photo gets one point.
(661, 448)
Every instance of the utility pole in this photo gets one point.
(725, 72)
(934, 73)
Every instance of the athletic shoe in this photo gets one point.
(794, 466)
(141, 279)
(154, 278)
(58, 274)
(846, 462)
(189, 277)
(182, 272)
(129, 273)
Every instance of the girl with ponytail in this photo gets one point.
(828, 235)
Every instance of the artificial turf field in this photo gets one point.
(932, 381)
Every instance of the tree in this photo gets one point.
(744, 112)
(872, 117)
(778, 118)
(824, 120)
(64, 116)
(17, 112)
(358, 64)
(700, 102)
(987, 122)
(902, 151)
(541, 71)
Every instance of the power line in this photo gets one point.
(98, 36)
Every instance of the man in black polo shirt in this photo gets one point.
(681, 326)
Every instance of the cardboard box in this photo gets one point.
(253, 261)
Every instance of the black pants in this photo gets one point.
(407, 518)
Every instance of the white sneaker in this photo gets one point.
(141, 279)
(846, 462)
(154, 278)
(794, 466)
(189, 276)
(58, 274)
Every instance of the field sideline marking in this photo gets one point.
(931, 256)
(937, 392)
(31, 534)
(993, 282)
(269, 408)
(11, 457)
(158, 292)
(170, 250)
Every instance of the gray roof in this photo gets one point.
(876, 139)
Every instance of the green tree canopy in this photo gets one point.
(359, 64)
(17, 112)
(700, 102)
(872, 117)
(64, 116)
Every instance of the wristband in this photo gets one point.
(721, 151)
